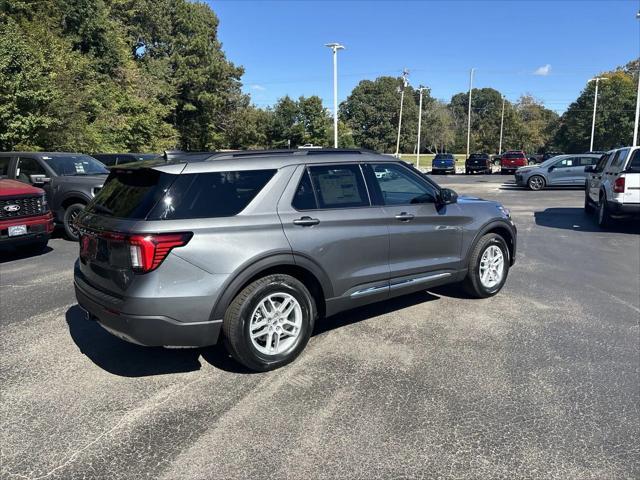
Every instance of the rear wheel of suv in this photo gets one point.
(269, 323)
(604, 219)
(70, 215)
(488, 266)
(536, 182)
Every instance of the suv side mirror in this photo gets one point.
(39, 179)
(447, 196)
(590, 168)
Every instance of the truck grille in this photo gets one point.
(21, 207)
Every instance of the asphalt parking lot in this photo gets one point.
(541, 381)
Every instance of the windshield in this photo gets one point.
(69, 165)
(550, 161)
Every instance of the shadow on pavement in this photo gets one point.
(126, 359)
(10, 254)
(577, 220)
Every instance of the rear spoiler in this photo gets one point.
(178, 155)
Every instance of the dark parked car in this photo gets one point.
(511, 161)
(110, 159)
(443, 163)
(478, 162)
(25, 219)
(70, 180)
(254, 247)
(542, 157)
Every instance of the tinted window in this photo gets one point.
(67, 165)
(304, 199)
(621, 156)
(210, 195)
(107, 159)
(339, 186)
(400, 186)
(602, 162)
(131, 193)
(566, 162)
(513, 155)
(584, 161)
(634, 164)
(27, 167)
(4, 166)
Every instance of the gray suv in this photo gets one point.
(559, 171)
(70, 180)
(254, 247)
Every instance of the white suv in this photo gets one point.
(613, 185)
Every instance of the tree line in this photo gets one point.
(150, 75)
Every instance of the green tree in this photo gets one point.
(372, 111)
(614, 118)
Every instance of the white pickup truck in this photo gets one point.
(613, 185)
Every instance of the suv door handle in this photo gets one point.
(404, 217)
(306, 221)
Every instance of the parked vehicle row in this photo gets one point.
(254, 247)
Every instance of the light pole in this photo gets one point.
(595, 106)
(469, 114)
(334, 48)
(635, 125)
(501, 126)
(421, 89)
(405, 83)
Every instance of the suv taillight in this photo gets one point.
(148, 251)
(618, 185)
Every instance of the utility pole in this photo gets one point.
(405, 83)
(421, 89)
(334, 48)
(635, 126)
(595, 106)
(501, 126)
(469, 114)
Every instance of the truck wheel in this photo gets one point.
(269, 323)
(70, 215)
(536, 182)
(488, 267)
(604, 219)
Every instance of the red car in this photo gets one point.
(25, 219)
(512, 160)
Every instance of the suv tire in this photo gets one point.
(536, 182)
(482, 253)
(604, 219)
(70, 214)
(241, 315)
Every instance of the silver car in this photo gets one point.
(254, 247)
(560, 171)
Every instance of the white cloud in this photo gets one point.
(260, 88)
(543, 71)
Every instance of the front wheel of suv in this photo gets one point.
(536, 182)
(488, 266)
(269, 323)
(70, 215)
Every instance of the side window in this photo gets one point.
(4, 166)
(399, 186)
(634, 164)
(566, 162)
(27, 167)
(602, 162)
(620, 158)
(304, 198)
(585, 161)
(339, 186)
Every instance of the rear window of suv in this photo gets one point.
(514, 155)
(147, 193)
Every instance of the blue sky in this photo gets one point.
(280, 45)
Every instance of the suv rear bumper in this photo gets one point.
(150, 331)
(616, 208)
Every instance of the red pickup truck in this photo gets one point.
(512, 160)
(25, 219)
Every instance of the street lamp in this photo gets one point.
(405, 83)
(595, 106)
(420, 89)
(501, 125)
(334, 48)
(469, 114)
